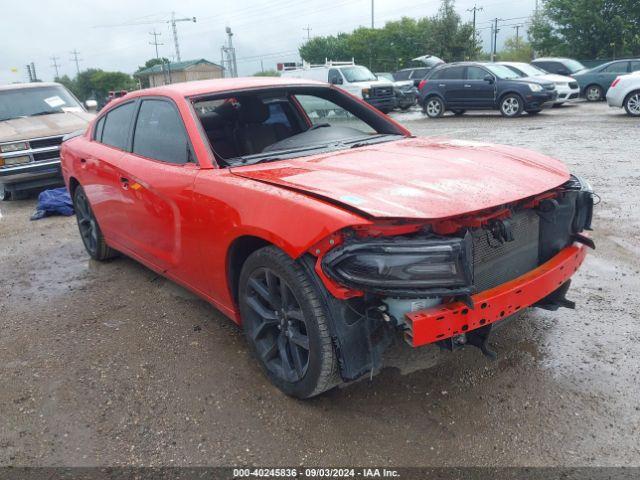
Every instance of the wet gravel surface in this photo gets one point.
(109, 364)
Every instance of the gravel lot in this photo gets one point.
(109, 364)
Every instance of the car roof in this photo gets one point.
(551, 59)
(18, 86)
(221, 85)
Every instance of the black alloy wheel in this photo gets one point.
(90, 232)
(286, 324)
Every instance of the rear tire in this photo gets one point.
(511, 105)
(433, 107)
(5, 195)
(632, 104)
(286, 324)
(594, 93)
(90, 232)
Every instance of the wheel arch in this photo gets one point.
(510, 91)
(434, 94)
(237, 253)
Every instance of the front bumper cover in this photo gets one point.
(446, 321)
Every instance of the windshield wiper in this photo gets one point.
(45, 112)
(384, 137)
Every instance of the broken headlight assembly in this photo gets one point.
(404, 266)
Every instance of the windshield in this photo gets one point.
(28, 102)
(526, 70)
(574, 65)
(357, 74)
(502, 72)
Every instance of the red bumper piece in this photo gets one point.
(444, 321)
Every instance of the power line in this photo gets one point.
(55, 65)
(76, 60)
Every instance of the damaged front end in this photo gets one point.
(447, 282)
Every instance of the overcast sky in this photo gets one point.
(114, 34)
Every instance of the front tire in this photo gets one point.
(4, 194)
(594, 93)
(632, 104)
(90, 232)
(286, 324)
(511, 105)
(434, 107)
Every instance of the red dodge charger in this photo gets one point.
(321, 225)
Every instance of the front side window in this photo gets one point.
(36, 101)
(334, 76)
(402, 75)
(635, 66)
(117, 124)
(160, 133)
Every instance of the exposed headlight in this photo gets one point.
(402, 265)
(366, 92)
(13, 147)
(11, 161)
(535, 87)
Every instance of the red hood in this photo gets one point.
(417, 178)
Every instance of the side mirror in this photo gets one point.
(91, 105)
(489, 78)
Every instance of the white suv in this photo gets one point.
(625, 92)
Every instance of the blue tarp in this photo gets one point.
(55, 201)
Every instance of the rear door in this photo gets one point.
(453, 78)
(99, 173)
(156, 180)
(477, 92)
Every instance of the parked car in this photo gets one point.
(325, 239)
(463, 86)
(415, 75)
(559, 66)
(355, 79)
(625, 92)
(595, 82)
(406, 93)
(33, 119)
(567, 87)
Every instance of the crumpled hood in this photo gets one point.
(43, 125)
(417, 178)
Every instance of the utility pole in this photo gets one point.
(517, 29)
(495, 39)
(174, 29)
(156, 44)
(372, 22)
(29, 72)
(75, 59)
(55, 65)
(308, 29)
(475, 10)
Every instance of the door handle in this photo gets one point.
(466, 85)
(442, 84)
(124, 182)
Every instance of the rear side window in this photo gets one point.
(618, 67)
(97, 135)
(160, 133)
(117, 123)
(635, 66)
(402, 75)
(452, 73)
